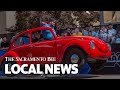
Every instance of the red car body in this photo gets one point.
(57, 47)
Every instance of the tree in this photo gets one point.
(64, 19)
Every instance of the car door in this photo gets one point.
(45, 49)
(21, 45)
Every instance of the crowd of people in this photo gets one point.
(106, 33)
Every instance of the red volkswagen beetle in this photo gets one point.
(66, 49)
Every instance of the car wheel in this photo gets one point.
(98, 66)
(74, 56)
(10, 63)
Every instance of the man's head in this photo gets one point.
(91, 27)
(118, 33)
(77, 30)
(90, 33)
(110, 26)
(52, 21)
(67, 29)
(73, 31)
(102, 27)
(4, 39)
(87, 28)
(37, 35)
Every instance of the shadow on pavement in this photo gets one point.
(79, 76)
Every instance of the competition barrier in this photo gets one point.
(112, 65)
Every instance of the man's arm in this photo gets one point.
(4, 48)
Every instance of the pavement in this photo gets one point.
(79, 76)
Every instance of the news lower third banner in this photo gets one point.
(29, 68)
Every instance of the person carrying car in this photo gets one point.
(47, 34)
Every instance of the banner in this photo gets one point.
(112, 66)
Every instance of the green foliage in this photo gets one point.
(64, 19)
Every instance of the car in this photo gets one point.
(67, 49)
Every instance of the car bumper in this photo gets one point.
(99, 55)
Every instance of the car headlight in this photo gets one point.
(109, 46)
(92, 45)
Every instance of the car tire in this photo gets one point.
(3, 67)
(69, 57)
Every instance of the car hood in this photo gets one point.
(100, 44)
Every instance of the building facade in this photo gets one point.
(7, 19)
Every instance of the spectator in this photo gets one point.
(59, 32)
(0, 41)
(112, 32)
(4, 43)
(116, 39)
(65, 34)
(94, 34)
(90, 33)
(62, 34)
(73, 32)
(92, 29)
(80, 30)
(68, 31)
(85, 31)
(77, 32)
(102, 33)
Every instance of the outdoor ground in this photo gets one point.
(80, 76)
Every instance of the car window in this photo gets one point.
(22, 40)
(39, 35)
